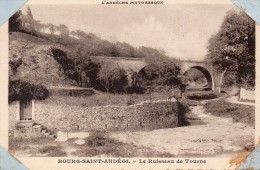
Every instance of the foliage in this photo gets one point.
(66, 64)
(112, 78)
(230, 79)
(87, 71)
(15, 23)
(53, 151)
(159, 74)
(81, 46)
(15, 64)
(194, 75)
(23, 90)
(37, 25)
(125, 50)
(98, 139)
(52, 28)
(89, 43)
(232, 49)
(64, 30)
(154, 56)
(23, 23)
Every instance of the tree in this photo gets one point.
(64, 30)
(43, 27)
(87, 72)
(37, 25)
(232, 49)
(196, 76)
(66, 64)
(52, 28)
(159, 74)
(112, 78)
(14, 65)
(125, 50)
(83, 35)
(15, 22)
(20, 90)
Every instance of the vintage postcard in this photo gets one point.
(129, 84)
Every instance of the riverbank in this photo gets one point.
(237, 112)
(211, 136)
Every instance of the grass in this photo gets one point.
(18, 143)
(104, 99)
(239, 113)
(53, 151)
(40, 40)
(36, 146)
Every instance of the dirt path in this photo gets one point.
(213, 137)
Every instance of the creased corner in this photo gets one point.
(8, 162)
(250, 7)
(8, 8)
(247, 160)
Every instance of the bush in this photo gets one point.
(157, 74)
(15, 64)
(39, 92)
(98, 138)
(23, 90)
(53, 151)
(66, 64)
(87, 71)
(15, 23)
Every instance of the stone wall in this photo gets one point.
(154, 115)
(247, 94)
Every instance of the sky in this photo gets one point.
(181, 30)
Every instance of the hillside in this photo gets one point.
(31, 59)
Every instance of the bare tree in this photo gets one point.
(111, 76)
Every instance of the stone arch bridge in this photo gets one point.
(136, 64)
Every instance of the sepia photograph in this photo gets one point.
(131, 80)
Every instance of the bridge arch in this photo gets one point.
(135, 65)
(205, 72)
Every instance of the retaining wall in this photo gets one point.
(153, 115)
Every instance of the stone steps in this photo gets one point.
(32, 129)
(43, 131)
